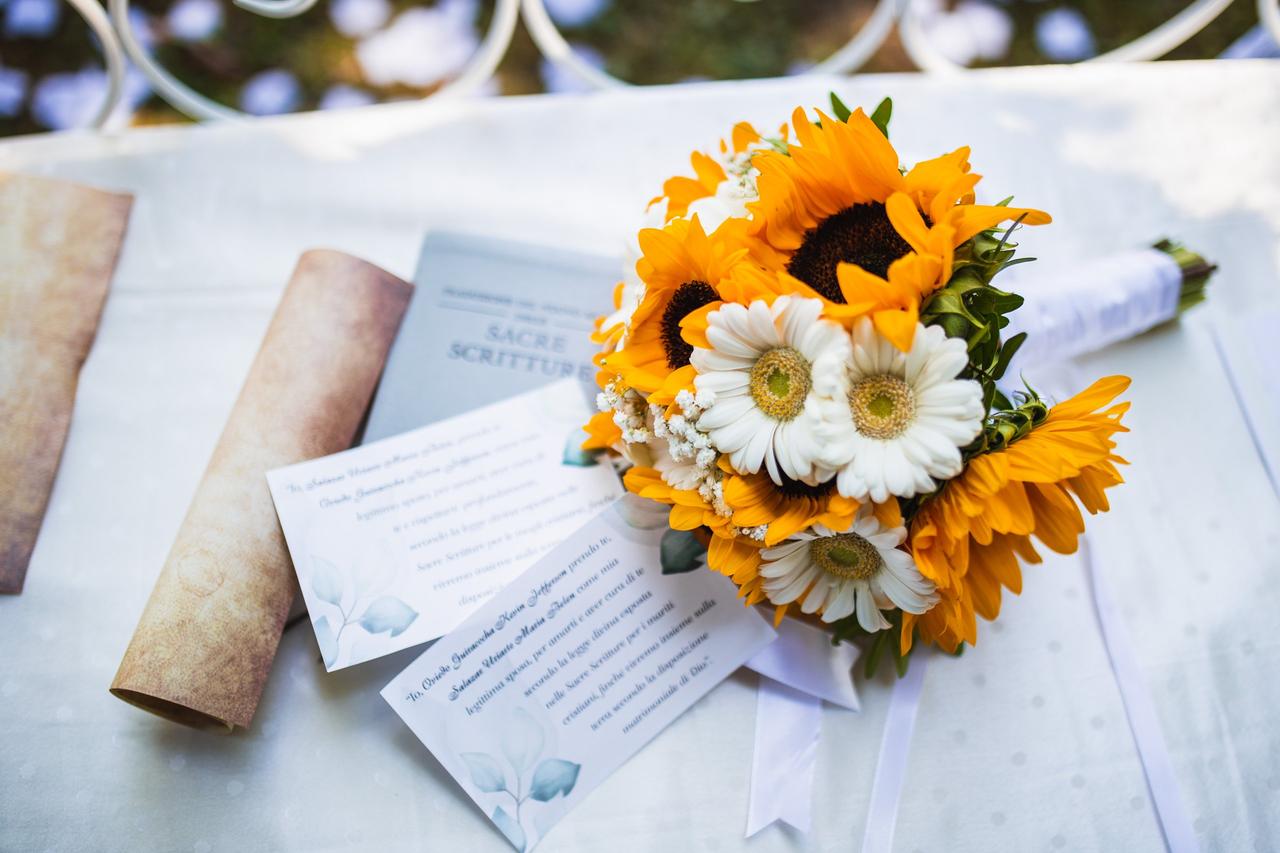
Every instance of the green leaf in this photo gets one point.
(838, 108)
(1007, 352)
(575, 455)
(880, 117)
(873, 654)
(680, 552)
(901, 662)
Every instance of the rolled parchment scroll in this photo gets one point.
(204, 645)
(58, 247)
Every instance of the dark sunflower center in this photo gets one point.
(861, 235)
(795, 489)
(689, 297)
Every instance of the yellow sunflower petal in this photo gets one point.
(898, 325)
(907, 221)
(971, 219)
(601, 431)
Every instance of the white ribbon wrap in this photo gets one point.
(1094, 305)
(797, 672)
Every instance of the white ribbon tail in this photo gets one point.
(1179, 835)
(895, 748)
(797, 672)
(788, 728)
(803, 657)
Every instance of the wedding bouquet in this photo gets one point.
(806, 365)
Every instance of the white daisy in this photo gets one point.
(907, 415)
(838, 573)
(764, 365)
(684, 474)
(735, 192)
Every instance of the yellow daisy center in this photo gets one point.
(882, 406)
(686, 299)
(847, 556)
(780, 382)
(861, 234)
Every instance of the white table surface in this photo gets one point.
(1022, 744)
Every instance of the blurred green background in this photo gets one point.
(351, 52)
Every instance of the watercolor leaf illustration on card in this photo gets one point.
(521, 742)
(485, 772)
(328, 643)
(553, 776)
(510, 827)
(388, 613)
(384, 614)
(326, 581)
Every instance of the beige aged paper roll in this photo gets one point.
(205, 642)
(58, 247)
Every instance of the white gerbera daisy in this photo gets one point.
(684, 474)
(735, 192)
(907, 417)
(838, 573)
(762, 369)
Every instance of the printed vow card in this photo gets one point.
(398, 541)
(541, 694)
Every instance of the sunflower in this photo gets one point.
(787, 509)
(838, 197)
(681, 267)
(602, 432)
(689, 509)
(968, 538)
(738, 558)
(610, 330)
(725, 182)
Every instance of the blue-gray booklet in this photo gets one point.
(489, 319)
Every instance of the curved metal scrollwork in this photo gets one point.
(190, 102)
(112, 57)
(1153, 45)
(179, 95)
(276, 8)
(1269, 15)
(115, 32)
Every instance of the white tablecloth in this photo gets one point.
(1022, 744)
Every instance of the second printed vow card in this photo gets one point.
(542, 693)
(398, 541)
